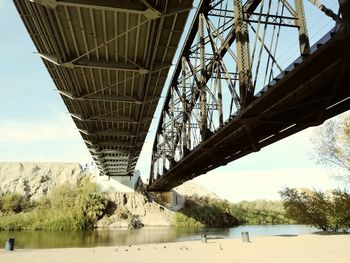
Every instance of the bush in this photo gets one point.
(68, 207)
(181, 219)
(260, 212)
(122, 213)
(94, 206)
(64, 196)
(328, 212)
(13, 203)
(134, 222)
(340, 210)
(205, 211)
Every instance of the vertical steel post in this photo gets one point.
(172, 128)
(164, 144)
(184, 108)
(218, 76)
(189, 141)
(304, 42)
(243, 55)
(151, 173)
(157, 156)
(203, 94)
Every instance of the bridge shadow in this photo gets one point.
(286, 235)
(330, 233)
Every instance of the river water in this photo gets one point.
(114, 237)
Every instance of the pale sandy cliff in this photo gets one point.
(190, 188)
(34, 179)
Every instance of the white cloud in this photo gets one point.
(55, 140)
(28, 132)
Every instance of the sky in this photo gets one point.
(35, 126)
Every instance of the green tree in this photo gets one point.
(318, 210)
(325, 211)
(205, 211)
(341, 209)
(260, 212)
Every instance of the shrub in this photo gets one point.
(122, 213)
(260, 212)
(205, 211)
(181, 219)
(324, 211)
(68, 207)
(94, 206)
(13, 203)
(64, 196)
(340, 210)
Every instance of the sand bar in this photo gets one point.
(305, 248)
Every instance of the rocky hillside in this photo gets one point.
(190, 188)
(37, 179)
(147, 212)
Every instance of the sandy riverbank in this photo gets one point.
(294, 249)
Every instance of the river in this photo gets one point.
(114, 237)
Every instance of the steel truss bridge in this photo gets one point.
(233, 90)
(230, 94)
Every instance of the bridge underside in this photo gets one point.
(109, 61)
(311, 91)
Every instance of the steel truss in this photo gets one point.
(231, 56)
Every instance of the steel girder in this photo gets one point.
(229, 63)
(109, 61)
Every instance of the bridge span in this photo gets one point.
(230, 95)
(109, 61)
(233, 91)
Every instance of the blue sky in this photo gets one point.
(35, 126)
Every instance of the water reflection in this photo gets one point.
(271, 230)
(114, 237)
(53, 239)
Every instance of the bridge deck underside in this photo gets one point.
(109, 61)
(312, 91)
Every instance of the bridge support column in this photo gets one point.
(170, 199)
(112, 184)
